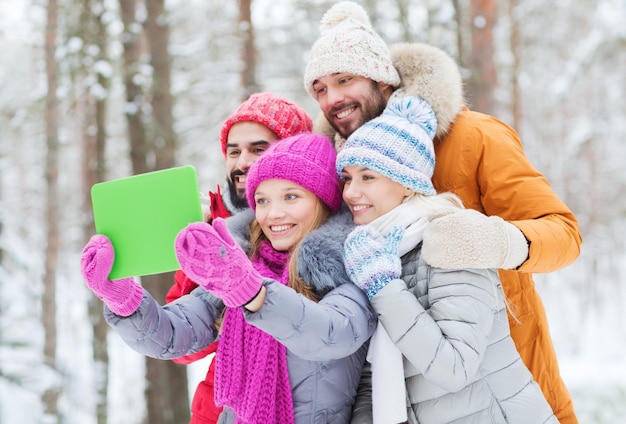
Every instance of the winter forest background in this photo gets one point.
(93, 90)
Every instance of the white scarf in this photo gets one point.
(388, 385)
(407, 216)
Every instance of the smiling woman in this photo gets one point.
(285, 212)
(443, 339)
(259, 279)
(293, 190)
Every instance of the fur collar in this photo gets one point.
(425, 71)
(320, 257)
(239, 227)
(430, 73)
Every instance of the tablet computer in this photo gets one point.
(142, 215)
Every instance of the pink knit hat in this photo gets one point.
(277, 114)
(306, 159)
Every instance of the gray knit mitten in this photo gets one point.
(371, 260)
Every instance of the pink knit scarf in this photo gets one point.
(251, 374)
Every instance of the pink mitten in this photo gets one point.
(122, 296)
(210, 257)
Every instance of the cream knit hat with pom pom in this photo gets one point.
(349, 44)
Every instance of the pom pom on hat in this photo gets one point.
(349, 44)
(306, 159)
(397, 144)
(279, 115)
(342, 11)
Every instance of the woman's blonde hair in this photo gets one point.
(433, 206)
(321, 213)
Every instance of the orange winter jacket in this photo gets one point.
(481, 159)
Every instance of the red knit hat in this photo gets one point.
(277, 114)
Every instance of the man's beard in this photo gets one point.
(235, 197)
(373, 105)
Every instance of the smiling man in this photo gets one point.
(248, 132)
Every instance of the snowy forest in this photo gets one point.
(94, 90)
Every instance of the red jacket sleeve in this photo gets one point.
(182, 285)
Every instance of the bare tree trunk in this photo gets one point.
(460, 49)
(162, 102)
(93, 170)
(134, 95)
(248, 52)
(403, 19)
(48, 310)
(483, 70)
(167, 389)
(516, 100)
(168, 399)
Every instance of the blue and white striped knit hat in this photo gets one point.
(397, 144)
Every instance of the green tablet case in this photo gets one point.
(142, 215)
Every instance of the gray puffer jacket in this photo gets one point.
(326, 342)
(460, 363)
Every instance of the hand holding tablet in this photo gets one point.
(142, 215)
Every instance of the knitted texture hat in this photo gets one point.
(306, 159)
(277, 114)
(397, 144)
(348, 43)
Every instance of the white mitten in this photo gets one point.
(469, 239)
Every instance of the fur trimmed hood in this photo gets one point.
(425, 71)
(320, 255)
(430, 73)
